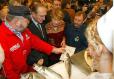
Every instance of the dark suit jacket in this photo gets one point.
(32, 27)
(34, 56)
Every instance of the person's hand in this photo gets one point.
(58, 50)
(40, 61)
(63, 44)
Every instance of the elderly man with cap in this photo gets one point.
(17, 42)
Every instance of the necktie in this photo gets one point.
(40, 28)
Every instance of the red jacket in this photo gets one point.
(16, 51)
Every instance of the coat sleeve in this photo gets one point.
(40, 45)
(7, 65)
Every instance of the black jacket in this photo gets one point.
(34, 56)
(75, 37)
(32, 27)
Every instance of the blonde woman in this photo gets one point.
(99, 36)
(55, 32)
(55, 28)
(97, 49)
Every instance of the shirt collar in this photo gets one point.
(14, 31)
(36, 23)
(11, 29)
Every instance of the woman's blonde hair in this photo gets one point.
(97, 49)
(92, 34)
(94, 43)
(57, 14)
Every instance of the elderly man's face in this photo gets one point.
(40, 15)
(21, 24)
(78, 20)
(57, 4)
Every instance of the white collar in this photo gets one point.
(36, 23)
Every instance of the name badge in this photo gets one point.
(76, 38)
(15, 47)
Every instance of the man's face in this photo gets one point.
(21, 24)
(57, 4)
(4, 11)
(40, 15)
(84, 8)
(78, 20)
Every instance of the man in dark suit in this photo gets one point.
(36, 26)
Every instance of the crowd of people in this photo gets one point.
(37, 31)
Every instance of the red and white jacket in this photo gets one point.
(16, 51)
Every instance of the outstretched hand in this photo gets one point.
(58, 50)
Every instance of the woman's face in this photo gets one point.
(95, 57)
(91, 50)
(56, 22)
(95, 49)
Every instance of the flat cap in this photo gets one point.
(19, 10)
